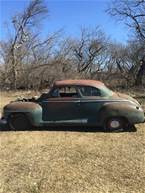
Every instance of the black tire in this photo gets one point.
(115, 124)
(18, 121)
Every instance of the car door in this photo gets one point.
(90, 104)
(62, 106)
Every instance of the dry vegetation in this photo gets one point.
(30, 60)
(63, 161)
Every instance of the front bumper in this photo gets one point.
(3, 121)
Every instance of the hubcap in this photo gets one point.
(114, 124)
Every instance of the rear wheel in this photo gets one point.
(114, 124)
(18, 121)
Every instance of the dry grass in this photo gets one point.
(72, 162)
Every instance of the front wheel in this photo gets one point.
(114, 124)
(18, 121)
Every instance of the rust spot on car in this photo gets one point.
(22, 105)
(93, 83)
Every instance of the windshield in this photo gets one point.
(106, 91)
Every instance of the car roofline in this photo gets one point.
(77, 82)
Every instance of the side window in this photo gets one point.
(55, 92)
(89, 91)
(67, 91)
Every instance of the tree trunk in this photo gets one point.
(14, 72)
(140, 74)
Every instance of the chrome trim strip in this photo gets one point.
(69, 121)
(62, 101)
(81, 101)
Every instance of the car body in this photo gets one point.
(75, 103)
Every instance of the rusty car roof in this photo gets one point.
(77, 82)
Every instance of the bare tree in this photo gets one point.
(133, 13)
(88, 50)
(20, 43)
(137, 55)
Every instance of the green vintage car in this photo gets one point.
(75, 103)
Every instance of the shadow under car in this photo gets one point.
(5, 127)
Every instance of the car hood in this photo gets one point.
(119, 95)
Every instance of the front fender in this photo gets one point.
(127, 110)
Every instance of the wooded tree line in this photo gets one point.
(29, 61)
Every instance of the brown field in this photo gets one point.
(70, 161)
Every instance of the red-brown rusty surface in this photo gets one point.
(123, 96)
(22, 105)
(93, 83)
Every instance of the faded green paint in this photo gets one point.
(122, 109)
(92, 110)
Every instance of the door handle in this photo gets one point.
(78, 103)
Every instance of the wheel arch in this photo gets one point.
(34, 115)
(20, 113)
(116, 110)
